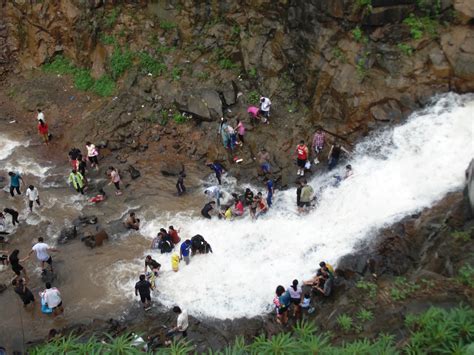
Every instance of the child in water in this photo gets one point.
(175, 262)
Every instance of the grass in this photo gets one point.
(179, 118)
(339, 54)
(466, 275)
(461, 235)
(358, 35)
(59, 65)
(120, 61)
(252, 73)
(253, 97)
(402, 289)
(370, 287)
(364, 5)
(83, 79)
(202, 75)
(108, 39)
(345, 322)
(365, 315)
(149, 64)
(176, 74)
(167, 25)
(405, 49)
(361, 66)
(436, 331)
(111, 18)
(419, 26)
(226, 63)
(104, 86)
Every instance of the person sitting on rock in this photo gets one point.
(152, 264)
(132, 222)
(165, 244)
(173, 233)
(325, 284)
(199, 245)
(208, 207)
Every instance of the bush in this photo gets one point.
(104, 86)
(466, 275)
(148, 64)
(365, 315)
(176, 74)
(345, 322)
(252, 73)
(461, 235)
(359, 35)
(405, 49)
(111, 18)
(226, 63)
(253, 97)
(59, 65)
(179, 118)
(120, 61)
(402, 289)
(368, 286)
(421, 25)
(83, 79)
(167, 25)
(364, 5)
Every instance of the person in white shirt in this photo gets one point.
(41, 249)
(265, 104)
(52, 298)
(40, 116)
(33, 196)
(92, 155)
(115, 179)
(181, 326)
(214, 192)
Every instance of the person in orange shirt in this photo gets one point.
(301, 157)
(43, 131)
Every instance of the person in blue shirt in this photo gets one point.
(15, 180)
(184, 251)
(218, 170)
(269, 184)
(283, 301)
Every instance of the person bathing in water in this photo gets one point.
(132, 222)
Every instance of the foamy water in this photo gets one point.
(397, 172)
(7, 146)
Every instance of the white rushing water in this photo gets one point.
(397, 172)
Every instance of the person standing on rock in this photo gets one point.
(52, 299)
(82, 167)
(182, 324)
(224, 133)
(143, 287)
(240, 128)
(15, 181)
(40, 115)
(115, 179)
(92, 155)
(42, 253)
(296, 298)
(282, 302)
(77, 181)
(218, 170)
(214, 192)
(180, 183)
(43, 131)
(232, 137)
(15, 261)
(318, 143)
(265, 104)
(301, 157)
(264, 161)
(335, 154)
(14, 215)
(152, 264)
(306, 197)
(33, 196)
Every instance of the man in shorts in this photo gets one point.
(41, 249)
(143, 287)
(264, 160)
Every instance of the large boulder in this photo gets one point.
(204, 104)
(387, 112)
(465, 7)
(458, 46)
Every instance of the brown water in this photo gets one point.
(86, 277)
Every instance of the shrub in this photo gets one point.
(461, 235)
(59, 65)
(365, 315)
(368, 286)
(226, 63)
(179, 118)
(365, 5)
(421, 25)
(402, 289)
(345, 322)
(252, 73)
(120, 61)
(148, 64)
(111, 18)
(83, 79)
(405, 49)
(253, 97)
(104, 86)
(359, 35)
(176, 74)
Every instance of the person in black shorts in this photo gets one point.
(14, 215)
(15, 264)
(24, 292)
(208, 207)
(143, 287)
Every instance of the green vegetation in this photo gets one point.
(167, 25)
(339, 54)
(430, 7)
(179, 118)
(461, 235)
(292, 107)
(226, 63)
(421, 25)
(365, 5)
(83, 79)
(202, 75)
(104, 86)
(402, 289)
(365, 315)
(466, 275)
(370, 287)
(60, 65)
(108, 40)
(120, 61)
(253, 97)
(436, 331)
(345, 322)
(176, 74)
(405, 49)
(358, 35)
(111, 18)
(252, 73)
(235, 31)
(149, 64)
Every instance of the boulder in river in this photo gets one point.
(134, 172)
(171, 168)
(67, 234)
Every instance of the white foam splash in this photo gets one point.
(397, 172)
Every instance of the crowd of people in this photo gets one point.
(169, 241)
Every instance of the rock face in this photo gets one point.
(205, 104)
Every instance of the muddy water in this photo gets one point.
(88, 279)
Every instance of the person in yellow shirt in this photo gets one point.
(175, 262)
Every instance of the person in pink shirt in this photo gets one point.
(240, 128)
(115, 179)
(254, 112)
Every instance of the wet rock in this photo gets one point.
(96, 240)
(3, 287)
(48, 276)
(351, 265)
(67, 234)
(84, 220)
(2, 182)
(134, 172)
(171, 168)
(387, 112)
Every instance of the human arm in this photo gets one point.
(330, 151)
(136, 291)
(346, 151)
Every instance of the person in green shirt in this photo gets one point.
(77, 180)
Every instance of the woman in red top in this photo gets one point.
(43, 131)
(301, 157)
